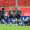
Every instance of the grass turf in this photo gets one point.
(13, 27)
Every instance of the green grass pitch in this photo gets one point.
(13, 27)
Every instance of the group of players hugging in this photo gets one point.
(14, 17)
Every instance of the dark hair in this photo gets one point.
(2, 8)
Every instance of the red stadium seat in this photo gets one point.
(13, 2)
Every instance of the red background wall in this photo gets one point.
(25, 10)
(7, 2)
(23, 2)
(13, 2)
